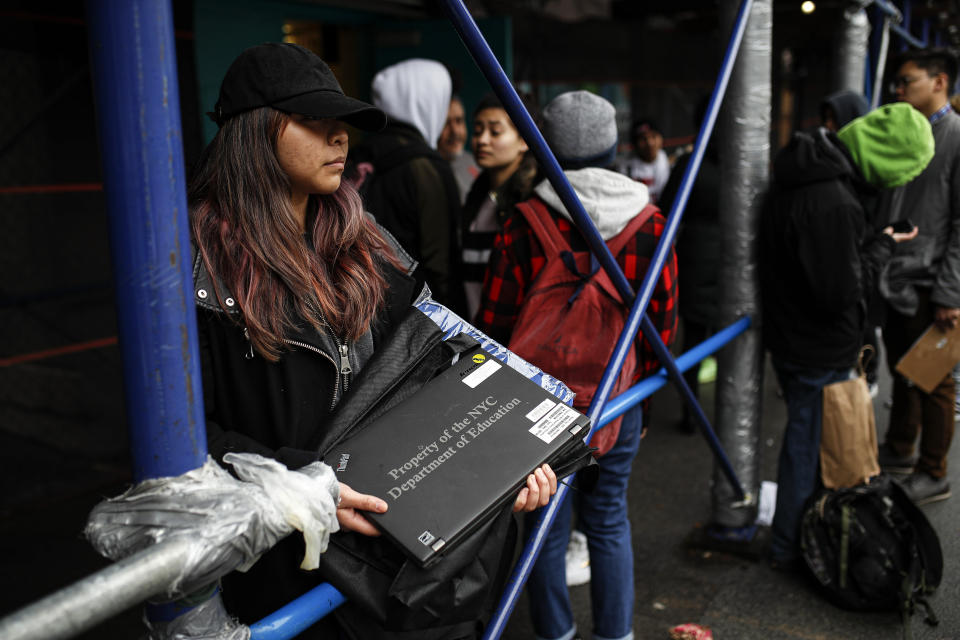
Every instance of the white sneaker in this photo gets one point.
(577, 559)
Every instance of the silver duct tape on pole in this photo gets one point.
(852, 41)
(88, 602)
(745, 153)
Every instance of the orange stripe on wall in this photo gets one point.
(676, 142)
(53, 188)
(58, 351)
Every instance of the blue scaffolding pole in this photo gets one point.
(138, 114)
(495, 75)
(132, 45)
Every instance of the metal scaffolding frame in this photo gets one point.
(134, 71)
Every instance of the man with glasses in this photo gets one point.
(922, 282)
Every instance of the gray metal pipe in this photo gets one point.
(90, 601)
(851, 50)
(744, 156)
(881, 62)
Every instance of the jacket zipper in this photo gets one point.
(386, 392)
(336, 385)
(344, 370)
(344, 351)
(249, 354)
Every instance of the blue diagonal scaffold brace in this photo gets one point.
(495, 75)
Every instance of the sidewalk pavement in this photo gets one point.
(740, 599)
(50, 484)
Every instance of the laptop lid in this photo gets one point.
(455, 452)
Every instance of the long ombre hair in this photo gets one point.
(249, 238)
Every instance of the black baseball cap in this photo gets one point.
(292, 79)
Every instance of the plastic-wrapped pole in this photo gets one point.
(138, 112)
(745, 155)
(852, 51)
(881, 62)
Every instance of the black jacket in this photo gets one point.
(277, 410)
(819, 260)
(698, 240)
(413, 194)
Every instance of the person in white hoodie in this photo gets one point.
(404, 181)
(580, 128)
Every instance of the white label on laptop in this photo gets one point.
(539, 411)
(554, 423)
(483, 372)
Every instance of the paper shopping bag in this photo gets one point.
(848, 443)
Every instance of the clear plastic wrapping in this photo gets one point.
(229, 522)
(745, 157)
(206, 621)
(851, 50)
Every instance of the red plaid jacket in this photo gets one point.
(517, 259)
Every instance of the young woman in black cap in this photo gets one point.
(295, 285)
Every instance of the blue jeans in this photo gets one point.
(603, 518)
(798, 468)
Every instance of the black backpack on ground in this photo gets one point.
(870, 548)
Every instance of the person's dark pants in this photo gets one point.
(915, 412)
(602, 516)
(798, 468)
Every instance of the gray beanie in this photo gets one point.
(581, 129)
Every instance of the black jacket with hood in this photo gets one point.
(846, 106)
(819, 260)
(413, 194)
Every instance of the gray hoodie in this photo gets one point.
(610, 198)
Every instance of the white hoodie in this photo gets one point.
(610, 198)
(417, 92)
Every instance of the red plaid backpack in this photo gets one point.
(573, 315)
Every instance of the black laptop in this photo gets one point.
(455, 452)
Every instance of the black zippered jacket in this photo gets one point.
(819, 260)
(278, 409)
(275, 408)
(285, 410)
